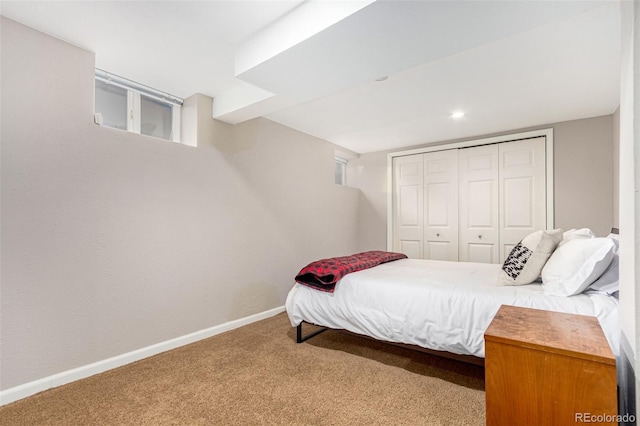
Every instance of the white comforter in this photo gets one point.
(434, 304)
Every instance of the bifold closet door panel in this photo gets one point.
(522, 191)
(441, 205)
(478, 204)
(408, 205)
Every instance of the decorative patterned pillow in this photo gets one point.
(525, 262)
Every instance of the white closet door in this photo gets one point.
(408, 205)
(522, 191)
(479, 224)
(441, 205)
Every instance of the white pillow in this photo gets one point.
(573, 234)
(576, 265)
(609, 281)
(525, 262)
(616, 240)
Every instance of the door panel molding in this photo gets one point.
(441, 185)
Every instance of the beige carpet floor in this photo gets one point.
(258, 375)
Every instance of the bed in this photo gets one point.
(436, 305)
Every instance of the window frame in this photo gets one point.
(342, 163)
(134, 102)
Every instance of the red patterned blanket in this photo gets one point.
(324, 274)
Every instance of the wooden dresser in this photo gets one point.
(548, 368)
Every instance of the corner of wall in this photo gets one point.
(189, 118)
(199, 128)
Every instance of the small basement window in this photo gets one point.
(127, 105)
(341, 171)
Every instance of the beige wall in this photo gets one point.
(583, 191)
(583, 168)
(369, 174)
(112, 241)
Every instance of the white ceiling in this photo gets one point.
(312, 65)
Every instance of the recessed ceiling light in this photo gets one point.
(383, 78)
(457, 114)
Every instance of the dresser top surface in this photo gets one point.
(567, 334)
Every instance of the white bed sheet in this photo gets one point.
(434, 304)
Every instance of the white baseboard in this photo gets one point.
(22, 391)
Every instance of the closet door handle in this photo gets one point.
(479, 237)
(437, 235)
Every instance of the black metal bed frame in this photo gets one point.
(300, 338)
(470, 359)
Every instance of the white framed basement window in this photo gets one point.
(340, 171)
(124, 104)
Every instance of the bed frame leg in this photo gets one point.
(300, 338)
